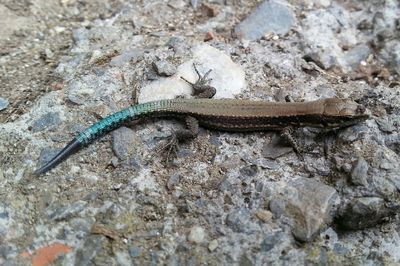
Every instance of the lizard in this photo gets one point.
(223, 114)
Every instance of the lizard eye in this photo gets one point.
(361, 109)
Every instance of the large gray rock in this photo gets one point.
(310, 204)
(270, 16)
(123, 142)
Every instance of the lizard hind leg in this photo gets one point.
(171, 144)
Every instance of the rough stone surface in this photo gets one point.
(253, 197)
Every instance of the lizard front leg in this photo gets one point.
(202, 87)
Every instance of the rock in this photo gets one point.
(267, 164)
(179, 45)
(91, 178)
(123, 258)
(391, 54)
(330, 234)
(164, 68)
(310, 204)
(357, 54)
(245, 261)
(271, 241)
(324, 41)
(238, 220)
(359, 173)
(123, 142)
(48, 53)
(340, 249)
(133, 163)
(277, 206)
(275, 148)
(365, 212)
(394, 178)
(135, 252)
(383, 186)
(49, 121)
(225, 185)
(3, 103)
(4, 221)
(263, 215)
(353, 133)
(173, 181)
(195, 3)
(248, 171)
(90, 248)
(270, 16)
(322, 3)
(385, 125)
(196, 235)
(213, 245)
(318, 256)
(393, 142)
(65, 213)
(93, 87)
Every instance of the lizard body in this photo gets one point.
(225, 114)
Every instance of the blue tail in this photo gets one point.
(101, 128)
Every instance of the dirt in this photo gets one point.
(36, 35)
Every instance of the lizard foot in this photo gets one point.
(169, 147)
(287, 135)
(201, 88)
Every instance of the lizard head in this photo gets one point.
(344, 112)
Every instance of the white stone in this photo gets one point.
(227, 77)
(196, 235)
(213, 245)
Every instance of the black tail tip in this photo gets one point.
(71, 148)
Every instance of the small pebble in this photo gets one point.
(263, 215)
(134, 252)
(196, 235)
(173, 181)
(213, 245)
(359, 173)
(164, 68)
(3, 103)
(49, 121)
(209, 36)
